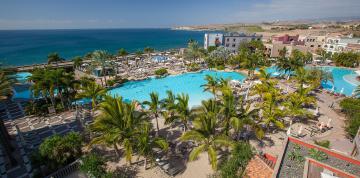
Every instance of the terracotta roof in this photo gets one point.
(257, 168)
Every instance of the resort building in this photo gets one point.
(287, 39)
(273, 50)
(340, 44)
(213, 39)
(230, 41)
(302, 159)
(313, 42)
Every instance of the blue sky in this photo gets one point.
(45, 14)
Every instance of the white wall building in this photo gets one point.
(339, 44)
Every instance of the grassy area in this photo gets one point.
(250, 29)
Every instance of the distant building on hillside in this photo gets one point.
(231, 41)
(340, 44)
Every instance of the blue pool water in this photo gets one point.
(339, 82)
(189, 83)
(338, 75)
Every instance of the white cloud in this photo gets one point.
(299, 9)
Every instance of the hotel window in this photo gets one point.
(227, 39)
(311, 46)
(319, 46)
(234, 39)
(233, 45)
(227, 45)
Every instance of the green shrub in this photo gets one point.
(351, 107)
(241, 155)
(323, 143)
(296, 155)
(110, 82)
(57, 151)
(161, 72)
(317, 154)
(220, 67)
(193, 67)
(93, 165)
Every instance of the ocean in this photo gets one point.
(24, 47)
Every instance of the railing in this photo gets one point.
(65, 171)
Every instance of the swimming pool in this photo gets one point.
(343, 78)
(159, 58)
(189, 83)
(340, 82)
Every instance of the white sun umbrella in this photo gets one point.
(288, 132)
(333, 88)
(342, 90)
(328, 124)
(317, 111)
(300, 130)
(288, 77)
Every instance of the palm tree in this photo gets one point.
(211, 85)
(148, 51)
(264, 76)
(204, 135)
(251, 61)
(302, 76)
(271, 112)
(154, 107)
(116, 125)
(5, 85)
(92, 91)
(145, 143)
(54, 58)
(247, 116)
(228, 108)
(193, 51)
(100, 58)
(138, 55)
(169, 104)
(294, 106)
(77, 61)
(357, 91)
(42, 84)
(183, 111)
(123, 53)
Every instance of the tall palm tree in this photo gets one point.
(116, 125)
(77, 61)
(101, 58)
(145, 143)
(138, 55)
(148, 50)
(169, 106)
(185, 114)
(206, 138)
(92, 91)
(154, 107)
(43, 84)
(302, 76)
(193, 51)
(294, 106)
(247, 117)
(263, 75)
(54, 58)
(228, 108)
(123, 53)
(211, 85)
(271, 112)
